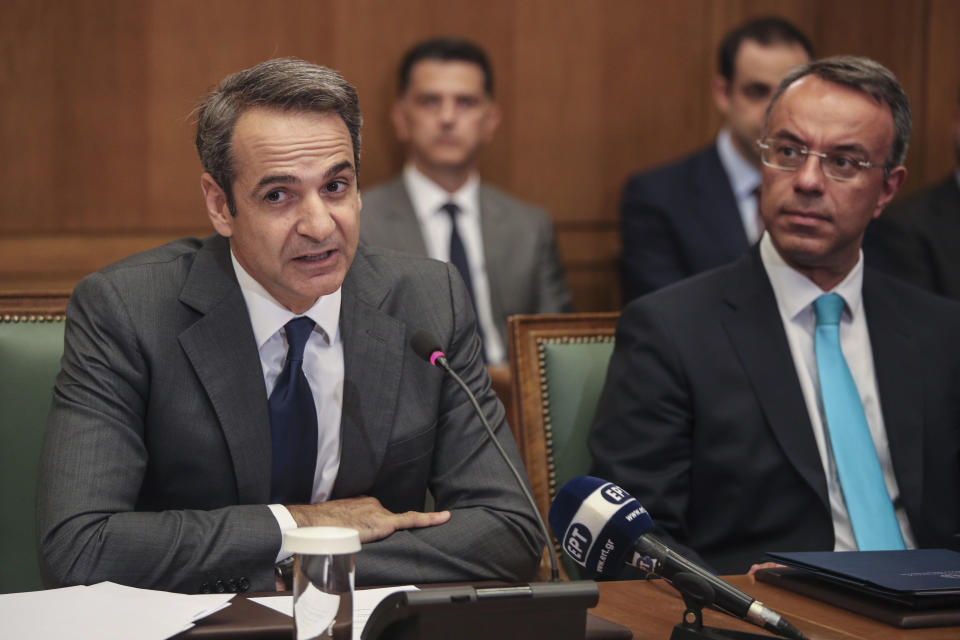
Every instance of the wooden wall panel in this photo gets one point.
(97, 96)
(66, 149)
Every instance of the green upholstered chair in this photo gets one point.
(31, 343)
(558, 365)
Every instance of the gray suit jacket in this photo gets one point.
(156, 462)
(519, 250)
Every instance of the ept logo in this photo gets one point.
(613, 493)
(577, 542)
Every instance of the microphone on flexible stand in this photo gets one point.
(603, 528)
(555, 609)
(427, 347)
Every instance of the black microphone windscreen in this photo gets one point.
(425, 345)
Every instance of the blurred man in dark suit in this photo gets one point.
(918, 239)
(701, 211)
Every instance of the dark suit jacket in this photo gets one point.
(918, 239)
(156, 463)
(523, 268)
(702, 418)
(677, 221)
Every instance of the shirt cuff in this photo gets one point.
(286, 522)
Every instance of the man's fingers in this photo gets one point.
(364, 514)
(416, 519)
(763, 565)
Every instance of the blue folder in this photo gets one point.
(917, 578)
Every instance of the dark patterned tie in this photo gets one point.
(458, 254)
(293, 423)
(458, 257)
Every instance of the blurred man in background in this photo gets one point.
(438, 206)
(918, 239)
(702, 211)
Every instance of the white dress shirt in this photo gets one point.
(322, 366)
(744, 179)
(795, 294)
(427, 198)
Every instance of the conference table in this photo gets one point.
(649, 609)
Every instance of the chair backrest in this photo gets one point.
(31, 344)
(559, 364)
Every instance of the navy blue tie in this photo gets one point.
(458, 257)
(293, 423)
(458, 254)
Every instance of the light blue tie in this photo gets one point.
(871, 513)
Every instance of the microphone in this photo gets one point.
(427, 347)
(602, 527)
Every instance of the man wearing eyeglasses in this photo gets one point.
(794, 400)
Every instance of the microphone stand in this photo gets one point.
(698, 593)
(552, 609)
(554, 563)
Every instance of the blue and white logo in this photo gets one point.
(577, 542)
(614, 494)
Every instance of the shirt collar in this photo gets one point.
(795, 292)
(743, 176)
(427, 196)
(268, 316)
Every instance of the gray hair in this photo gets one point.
(866, 76)
(287, 84)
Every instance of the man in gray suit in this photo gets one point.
(438, 207)
(169, 459)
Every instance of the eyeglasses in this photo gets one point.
(788, 156)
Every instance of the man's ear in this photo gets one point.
(491, 122)
(399, 116)
(891, 185)
(721, 94)
(217, 209)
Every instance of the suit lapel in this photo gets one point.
(899, 369)
(400, 222)
(223, 351)
(717, 205)
(756, 331)
(495, 253)
(373, 354)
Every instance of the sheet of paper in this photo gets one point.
(281, 604)
(364, 602)
(103, 611)
(314, 611)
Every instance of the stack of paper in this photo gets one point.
(104, 611)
